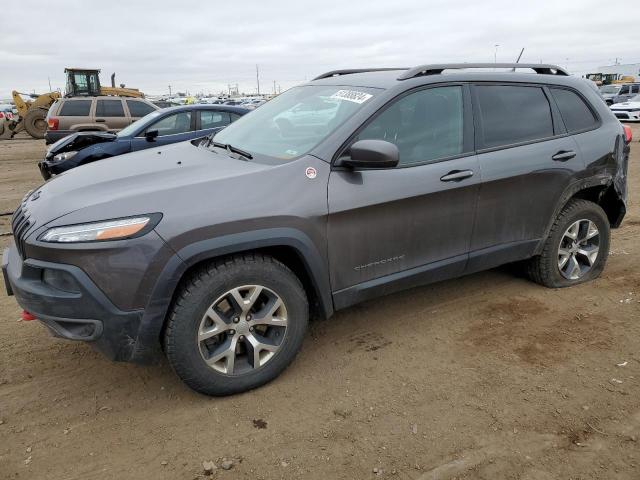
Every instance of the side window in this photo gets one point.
(624, 90)
(513, 114)
(138, 108)
(234, 117)
(109, 108)
(212, 119)
(577, 116)
(425, 125)
(635, 88)
(75, 108)
(173, 124)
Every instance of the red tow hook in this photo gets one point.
(26, 316)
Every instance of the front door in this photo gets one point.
(393, 228)
(173, 128)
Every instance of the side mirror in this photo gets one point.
(371, 154)
(151, 135)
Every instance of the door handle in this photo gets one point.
(564, 155)
(456, 175)
(100, 120)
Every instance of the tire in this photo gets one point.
(35, 123)
(545, 268)
(201, 294)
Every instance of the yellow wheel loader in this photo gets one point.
(32, 112)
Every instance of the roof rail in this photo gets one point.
(436, 69)
(337, 73)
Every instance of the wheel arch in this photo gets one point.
(291, 247)
(600, 191)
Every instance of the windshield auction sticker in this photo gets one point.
(351, 96)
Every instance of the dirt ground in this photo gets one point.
(485, 377)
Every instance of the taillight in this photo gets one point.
(2, 115)
(628, 136)
(53, 123)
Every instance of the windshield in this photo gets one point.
(131, 129)
(610, 89)
(293, 123)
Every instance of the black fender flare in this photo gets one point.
(152, 321)
(603, 180)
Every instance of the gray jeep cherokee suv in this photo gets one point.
(355, 185)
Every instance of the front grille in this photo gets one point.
(621, 115)
(20, 224)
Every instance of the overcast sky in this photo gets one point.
(202, 46)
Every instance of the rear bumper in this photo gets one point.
(80, 311)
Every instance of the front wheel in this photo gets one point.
(576, 249)
(236, 325)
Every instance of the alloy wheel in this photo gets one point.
(242, 330)
(578, 250)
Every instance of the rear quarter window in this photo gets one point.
(577, 116)
(138, 108)
(513, 114)
(75, 108)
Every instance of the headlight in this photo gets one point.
(61, 157)
(97, 231)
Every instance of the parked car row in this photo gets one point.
(85, 139)
(7, 111)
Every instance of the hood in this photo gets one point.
(625, 106)
(79, 140)
(141, 182)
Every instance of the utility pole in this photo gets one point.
(495, 53)
(258, 78)
(49, 78)
(274, 87)
(169, 90)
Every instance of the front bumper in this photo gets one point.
(79, 311)
(626, 115)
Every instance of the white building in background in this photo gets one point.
(624, 70)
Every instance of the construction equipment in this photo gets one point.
(31, 114)
(86, 82)
(609, 78)
(80, 82)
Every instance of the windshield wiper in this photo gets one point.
(230, 148)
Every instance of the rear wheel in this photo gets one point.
(576, 249)
(236, 325)
(35, 123)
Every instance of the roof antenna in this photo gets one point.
(518, 59)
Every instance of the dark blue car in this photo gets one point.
(162, 127)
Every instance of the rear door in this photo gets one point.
(173, 128)
(110, 112)
(392, 228)
(527, 160)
